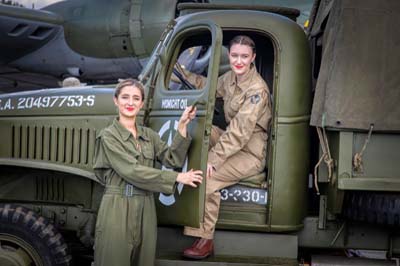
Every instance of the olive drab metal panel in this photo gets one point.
(186, 206)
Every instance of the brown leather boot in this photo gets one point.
(201, 249)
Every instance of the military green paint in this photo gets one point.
(381, 155)
(188, 8)
(47, 166)
(380, 170)
(188, 208)
(290, 174)
(338, 144)
(291, 99)
(370, 183)
(360, 236)
(56, 102)
(48, 140)
(39, 186)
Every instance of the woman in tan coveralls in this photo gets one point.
(126, 229)
(240, 151)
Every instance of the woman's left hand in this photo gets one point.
(191, 178)
(188, 115)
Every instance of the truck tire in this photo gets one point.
(372, 207)
(27, 239)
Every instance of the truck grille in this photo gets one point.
(53, 143)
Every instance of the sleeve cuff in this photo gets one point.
(181, 142)
(169, 178)
(180, 137)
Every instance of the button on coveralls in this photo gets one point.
(126, 229)
(240, 151)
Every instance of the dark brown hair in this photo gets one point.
(243, 40)
(128, 82)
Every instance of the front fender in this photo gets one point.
(48, 166)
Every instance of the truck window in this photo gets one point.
(188, 69)
(190, 65)
(193, 63)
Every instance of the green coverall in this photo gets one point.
(126, 229)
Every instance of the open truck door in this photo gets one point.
(167, 100)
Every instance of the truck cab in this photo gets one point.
(282, 59)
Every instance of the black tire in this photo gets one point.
(372, 207)
(29, 239)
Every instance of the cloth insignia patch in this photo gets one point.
(255, 99)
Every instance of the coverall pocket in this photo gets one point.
(148, 153)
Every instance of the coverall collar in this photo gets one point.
(246, 81)
(125, 133)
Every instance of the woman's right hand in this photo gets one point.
(188, 115)
(191, 178)
(210, 170)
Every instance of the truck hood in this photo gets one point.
(57, 102)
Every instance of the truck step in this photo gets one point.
(177, 260)
(232, 243)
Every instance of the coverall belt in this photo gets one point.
(128, 191)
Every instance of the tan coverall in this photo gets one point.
(126, 229)
(240, 151)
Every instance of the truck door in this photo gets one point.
(186, 48)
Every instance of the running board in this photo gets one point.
(230, 247)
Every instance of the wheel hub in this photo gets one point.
(16, 252)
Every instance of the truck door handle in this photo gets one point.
(198, 102)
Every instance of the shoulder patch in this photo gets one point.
(255, 99)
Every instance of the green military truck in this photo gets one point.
(333, 172)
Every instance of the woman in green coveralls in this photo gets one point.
(125, 155)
